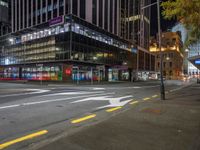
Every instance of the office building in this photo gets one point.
(70, 40)
(30, 13)
(4, 17)
(135, 27)
(172, 55)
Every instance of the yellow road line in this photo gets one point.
(83, 119)
(24, 138)
(113, 109)
(154, 96)
(134, 102)
(146, 99)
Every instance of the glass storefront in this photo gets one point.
(40, 72)
(77, 43)
(11, 73)
(88, 73)
(118, 74)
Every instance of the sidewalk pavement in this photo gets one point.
(173, 124)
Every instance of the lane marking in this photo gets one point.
(154, 96)
(37, 91)
(49, 101)
(134, 102)
(10, 106)
(133, 87)
(113, 101)
(83, 119)
(146, 99)
(24, 138)
(113, 109)
(72, 93)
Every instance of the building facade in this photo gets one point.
(67, 49)
(135, 27)
(171, 53)
(190, 52)
(4, 17)
(193, 51)
(30, 13)
(70, 40)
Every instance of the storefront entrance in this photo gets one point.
(88, 73)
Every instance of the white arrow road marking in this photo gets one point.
(50, 101)
(98, 88)
(36, 91)
(114, 102)
(72, 93)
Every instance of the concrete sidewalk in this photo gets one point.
(173, 124)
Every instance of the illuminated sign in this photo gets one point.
(68, 71)
(197, 62)
(56, 21)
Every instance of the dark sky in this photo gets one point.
(165, 24)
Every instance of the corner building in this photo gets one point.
(68, 40)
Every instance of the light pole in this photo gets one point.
(162, 87)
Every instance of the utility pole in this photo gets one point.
(162, 87)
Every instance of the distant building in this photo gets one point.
(189, 53)
(4, 17)
(172, 55)
(194, 52)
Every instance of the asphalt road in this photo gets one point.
(26, 108)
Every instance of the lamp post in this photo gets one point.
(162, 87)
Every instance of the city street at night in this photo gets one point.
(99, 75)
(29, 108)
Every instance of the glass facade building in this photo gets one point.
(4, 17)
(67, 48)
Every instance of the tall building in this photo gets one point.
(4, 17)
(172, 55)
(30, 13)
(135, 27)
(66, 40)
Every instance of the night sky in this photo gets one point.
(165, 24)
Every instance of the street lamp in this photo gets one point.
(162, 87)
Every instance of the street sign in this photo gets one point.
(197, 62)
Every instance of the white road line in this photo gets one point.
(72, 93)
(98, 88)
(49, 101)
(37, 91)
(132, 87)
(10, 106)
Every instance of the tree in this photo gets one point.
(188, 13)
